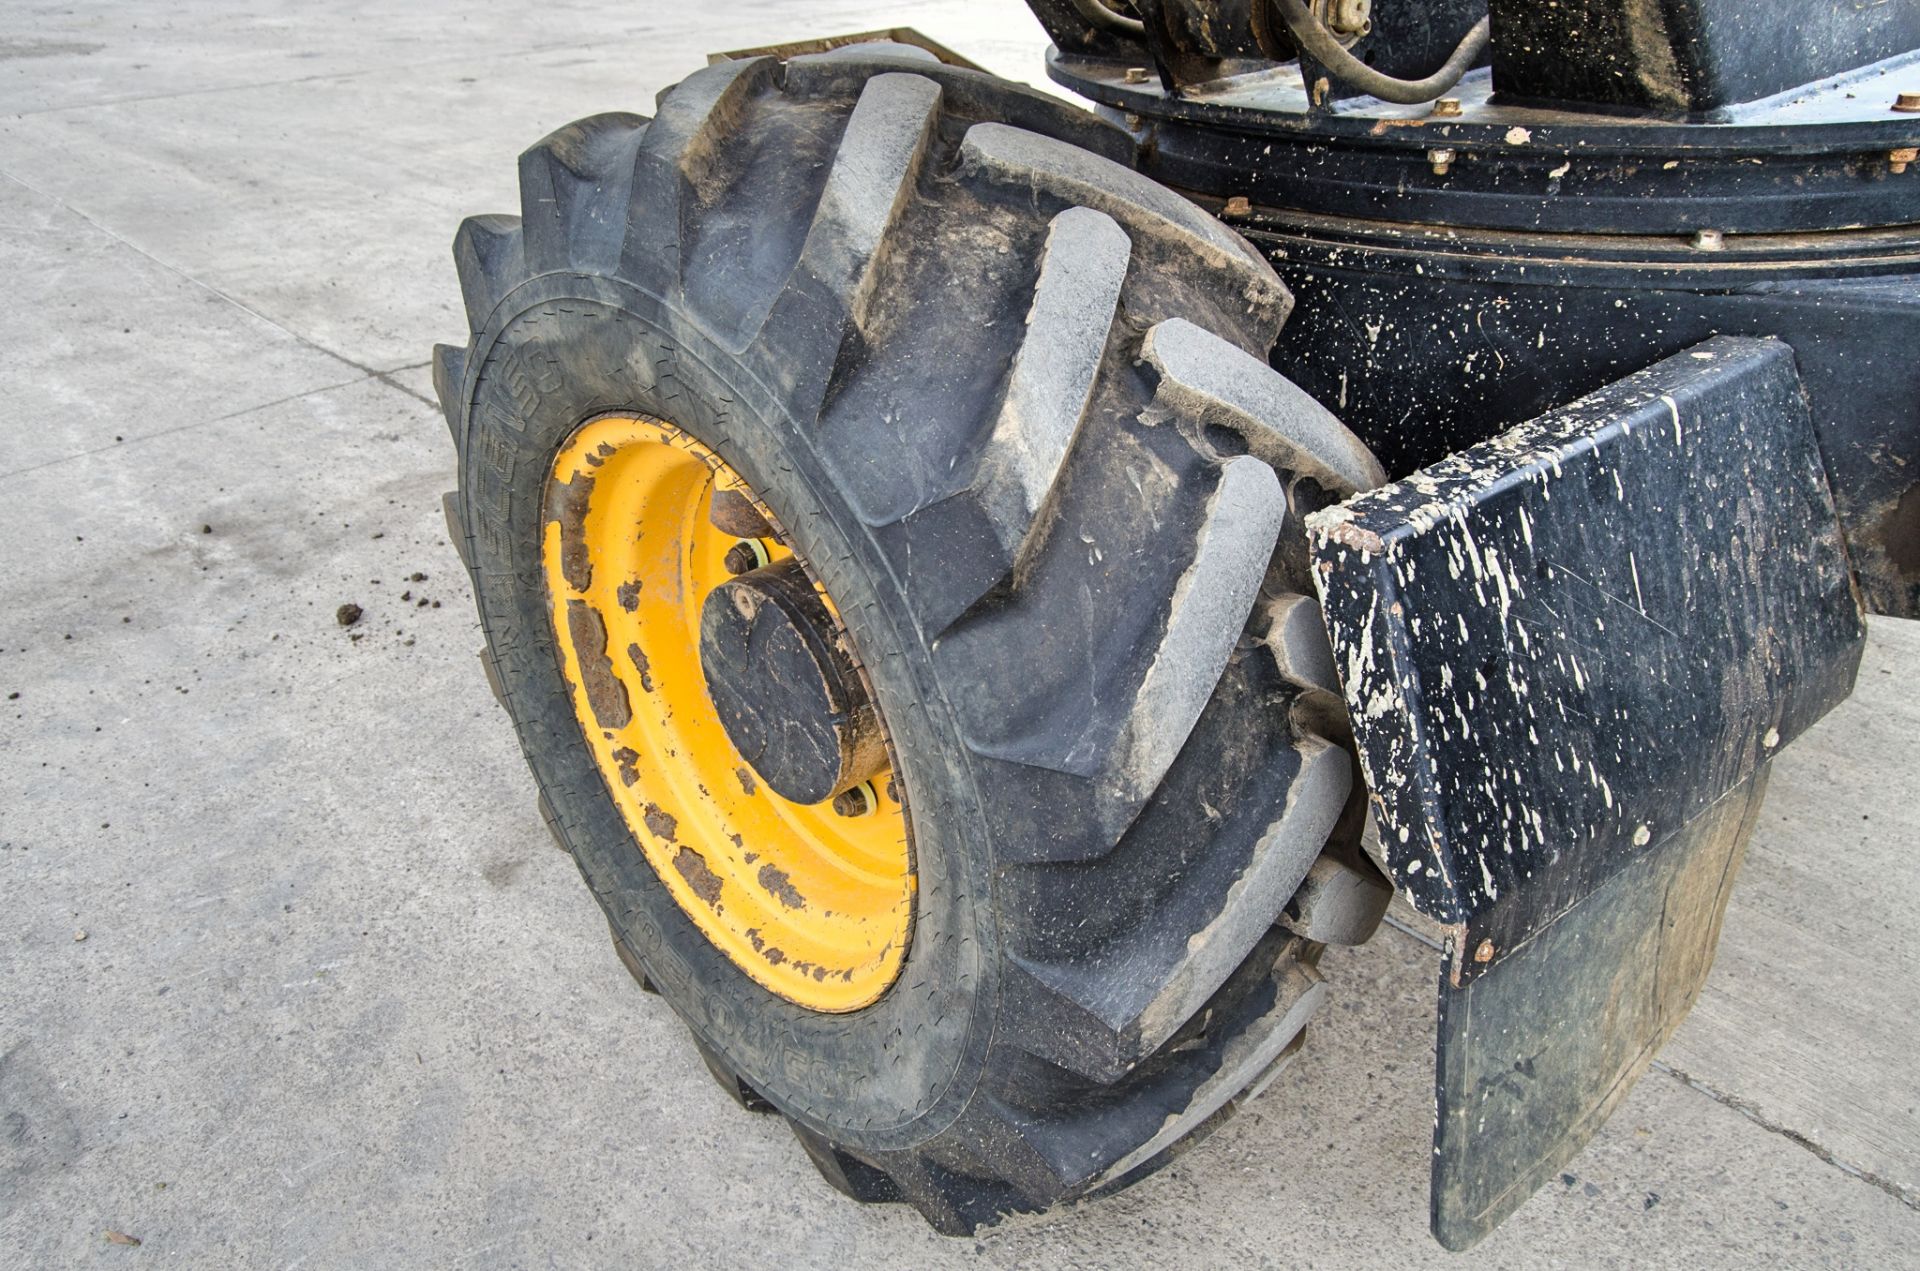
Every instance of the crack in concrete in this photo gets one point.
(384, 377)
(381, 377)
(1753, 1113)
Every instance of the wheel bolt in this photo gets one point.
(855, 802)
(742, 556)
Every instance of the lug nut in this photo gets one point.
(1907, 103)
(855, 802)
(1897, 160)
(745, 555)
(1238, 205)
(1708, 240)
(1136, 75)
(1441, 161)
(1447, 106)
(1485, 952)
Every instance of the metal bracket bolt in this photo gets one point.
(1441, 160)
(1349, 20)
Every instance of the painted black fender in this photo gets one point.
(1570, 653)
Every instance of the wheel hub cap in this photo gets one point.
(785, 689)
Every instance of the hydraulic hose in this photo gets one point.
(1315, 40)
(1100, 17)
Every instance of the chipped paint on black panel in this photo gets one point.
(1570, 640)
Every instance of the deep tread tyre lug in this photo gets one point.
(456, 528)
(1148, 986)
(969, 94)
(632, 964)
(730, 1083)
(673, 157)
(1209, 382)
(1126, 756)
(449, 370)
(1296, 636)
(552, 821)
(1008, 486)
(492, 673)
(576, 186)
(487, 256)
(821, 315)
(1146, 209)
(845, 1173)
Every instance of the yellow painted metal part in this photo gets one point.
(815, 906)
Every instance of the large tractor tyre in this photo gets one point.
(874, 493)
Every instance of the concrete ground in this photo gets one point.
(291, 974)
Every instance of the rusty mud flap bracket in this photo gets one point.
(1569, 654)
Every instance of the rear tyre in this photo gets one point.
(1006, 400)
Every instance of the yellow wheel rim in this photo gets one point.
(813, 904)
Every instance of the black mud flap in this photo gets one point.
(1569, 654)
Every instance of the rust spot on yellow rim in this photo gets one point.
(814, 905)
